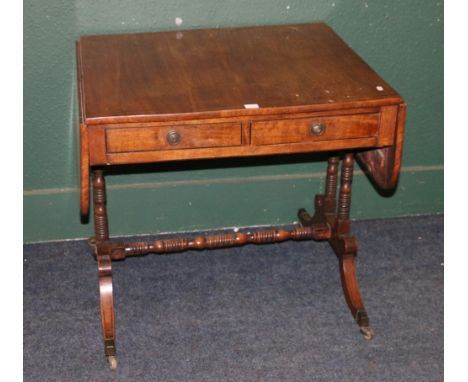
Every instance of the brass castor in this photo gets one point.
(92, 241)
(367, 332)
(112, 359)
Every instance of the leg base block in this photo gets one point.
(367, 332)
(112, 361)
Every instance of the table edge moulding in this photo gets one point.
(234, 92)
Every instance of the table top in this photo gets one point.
(220, 72)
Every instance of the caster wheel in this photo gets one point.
(112, 362)
(92, 241)
(367, 332)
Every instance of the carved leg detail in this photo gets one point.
(104, 263)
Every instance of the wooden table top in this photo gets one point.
(216, 72)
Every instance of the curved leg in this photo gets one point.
(107, 308)
(352, 294)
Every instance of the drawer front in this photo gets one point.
(120, 140)
(296, 130)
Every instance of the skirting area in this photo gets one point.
(254, 313)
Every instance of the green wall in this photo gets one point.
(402, 40)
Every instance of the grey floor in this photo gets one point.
(256, 313)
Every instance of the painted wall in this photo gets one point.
(401, 40)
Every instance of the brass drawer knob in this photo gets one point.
(173, 138)
(317, 129)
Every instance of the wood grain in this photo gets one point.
(217, 71)
(295, 130)
(84, 171)
(156, 138)
(84, 141)
(382, 165)
(106, 301)
(388, 121)
(353, 128)
(239, 151)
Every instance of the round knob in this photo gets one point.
(173, 138)
(317, 129)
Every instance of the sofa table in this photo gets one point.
(215, 93)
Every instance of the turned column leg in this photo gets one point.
(104, 263)
(345, 247)
(331, 185)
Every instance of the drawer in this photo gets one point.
(308, 129)
(119, 140)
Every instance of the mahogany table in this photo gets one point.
(215, 93)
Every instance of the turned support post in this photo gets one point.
(101, 226)
(331, 183)
(344, 200)
(104, 262)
